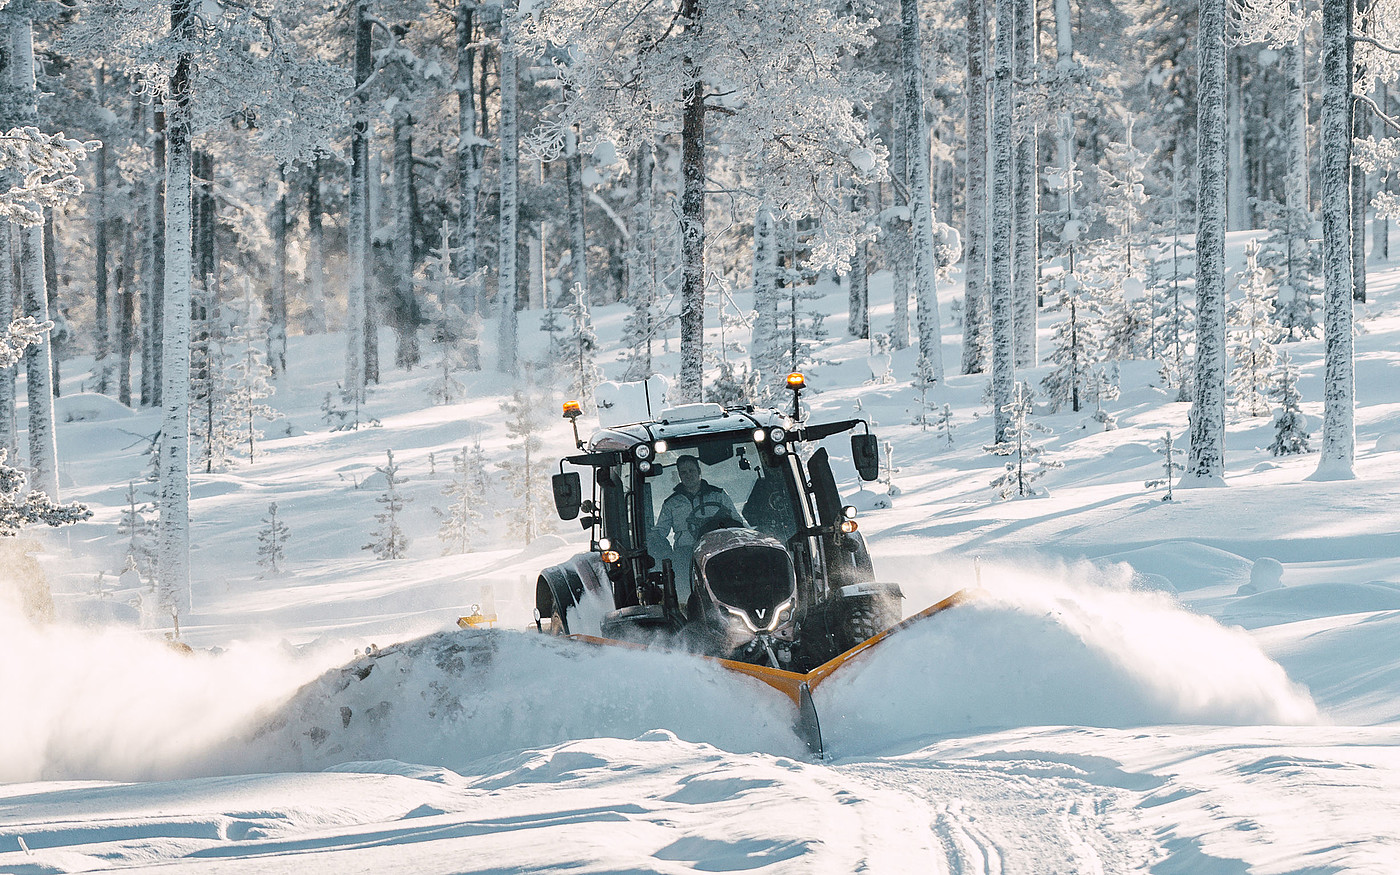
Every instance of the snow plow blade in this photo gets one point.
(797, 686)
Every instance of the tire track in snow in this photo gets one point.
(1009, 818)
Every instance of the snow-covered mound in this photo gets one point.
(1074, 646)
(1311, 601)
(1186, 564)
(454, 697)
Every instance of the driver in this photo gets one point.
(694, 507)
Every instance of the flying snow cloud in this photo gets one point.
(86, 702)
(1056, 645)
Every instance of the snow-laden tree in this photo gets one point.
(464, 493)
(1205, 464)
(1290, 425)
(915, 133)
(1170, 467)
(20, 506)
(576, 351)
(388, 541)
(1025, 254)
(943, 423)
(456, 331)
(641, 326)
(1074, 341)
(1250, 335)
(765, 81)
(1171, 280)
(1121, 178)
(924, 381)
(135, 524)
(272, 539)
(1027, 460)
(1001, 294)
(975, 192)
(507, 281)
(248, 379)
(525, 472)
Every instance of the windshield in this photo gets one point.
(732, 484)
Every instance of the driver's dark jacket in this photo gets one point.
(684, 513)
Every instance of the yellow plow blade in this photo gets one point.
(797, 686)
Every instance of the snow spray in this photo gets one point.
(1058, 644)
(111, 702)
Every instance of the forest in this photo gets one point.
(189, 183)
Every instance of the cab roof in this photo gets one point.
(689, 420)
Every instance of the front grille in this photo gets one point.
(751, 577)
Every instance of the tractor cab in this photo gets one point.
(720, 530)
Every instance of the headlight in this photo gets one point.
(759, 435)
(644, 467)
(777, 434)
(780, 449)
(661, 446)
(780, 616)
(643, 451)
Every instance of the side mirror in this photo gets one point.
(568, 494)
(865, 452)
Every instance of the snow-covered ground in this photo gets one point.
(1133, 692)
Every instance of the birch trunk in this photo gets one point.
(173, 551)
(1002, 305)
(974, 359)
(692, 230)
(38, 358)
(1339, 389)
(1380, 225)
(315, 251)
(920, 193)
(507, 292)
(1358, 175)
(1205, 464)
(1025, 247)
(357, 246)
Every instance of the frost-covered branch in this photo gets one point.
(1375, 108)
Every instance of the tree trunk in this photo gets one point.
(858, 309)
(9, 423)
(1025, 252)
(1380, 225)
(59, 332)
(1339, 388)
(507, 291)
(1358, 175)
(315, 251)
(763, 349)
(692, 228)
(127, 328)
(470, 156)
(578, 232)
(920, 194)
(277, 315)
(407, 315)
(153, 292)
(102, 367)
(1237, 187)
(1206, 460)
(173, 557)
(38, 358)
(357, 246)
(975, 191)
(895, 239)
(1295, 180)
(1002, 305)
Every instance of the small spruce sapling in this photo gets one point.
(944, 423)
(1290, 426)
(577, 350)
(1028, 462)
(524, 469)
(1170, 467)
(925, 379)
(271, 539)
(461, 520)
(140, 548)
(388, 541)
(1251, 336)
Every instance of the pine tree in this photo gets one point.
(1074, 343)
(1028, 462)
(1170, 468)
(388, 541)
(271, 539)
(1250, 339)
(455, 331)
(462, 519)
(248, 378)
(524, 469)
(1290, 426)
(1171, 279)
